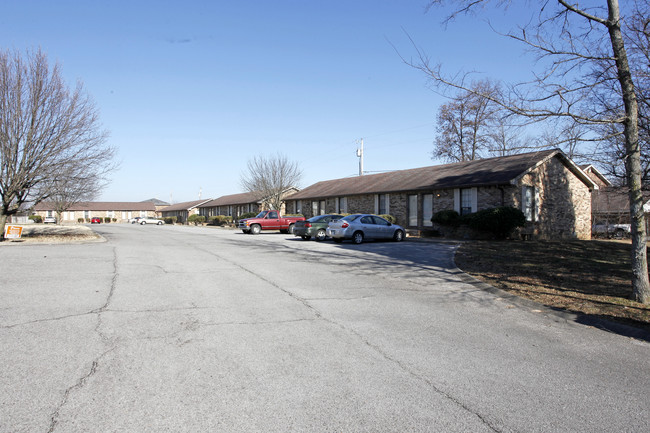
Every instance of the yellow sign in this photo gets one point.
(13, 232)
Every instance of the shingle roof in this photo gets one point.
(102, 206)
(234, 199)
(184, 206)
(483, 172)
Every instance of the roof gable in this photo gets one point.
(234, 199)
(187, 205)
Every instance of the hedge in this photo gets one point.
(196, 219)
(499, 221)
(219, 220)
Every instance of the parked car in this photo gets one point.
(315, 227)
(358, 227)
(96, 220)
(611, 230)
(151, 220)
(269, 220)
(135, 220)
(49, 220)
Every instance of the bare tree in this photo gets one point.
(505, 139)
(50, 137)
(271, 177)
(573, 45)
(610, 151)
(465, 124)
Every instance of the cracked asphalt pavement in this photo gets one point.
(188, 329)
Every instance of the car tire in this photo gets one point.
(357, 237)
(256, 229)
(398, 236)
(143, 223)
(290, 229)
(159, 223)
(321, 235)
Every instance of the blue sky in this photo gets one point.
(190, 90)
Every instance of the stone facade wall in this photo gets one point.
(563, 202)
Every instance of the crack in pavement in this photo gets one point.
(414, 374)
(374, 347)
(80, 383)
(54, 418)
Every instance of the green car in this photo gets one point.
(314, 227)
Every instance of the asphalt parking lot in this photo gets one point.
(201, 329)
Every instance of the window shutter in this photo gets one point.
(457, 200)
(474, 197)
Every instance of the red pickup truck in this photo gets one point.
(268, 220)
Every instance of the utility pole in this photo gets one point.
(360, 155)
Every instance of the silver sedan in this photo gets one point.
(358, 227)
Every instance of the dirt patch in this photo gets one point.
(41, 233)
(587, 277)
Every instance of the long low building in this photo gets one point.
(550, 189)
(118, 212)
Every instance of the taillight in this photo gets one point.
(345, 225)
(307, 225)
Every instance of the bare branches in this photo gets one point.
(50, 137)
(271, 177)
(587, 78)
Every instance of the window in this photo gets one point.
(413, 210)
(383, 207)
(380, 221)
(465, 201)
(71, 215)
(366, 220)
(272, 215)
(342, 205)
(528, 202)
(87, 214)
(314, 208)
(427, 209)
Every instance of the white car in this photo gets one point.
(150, 220)
(49, 220)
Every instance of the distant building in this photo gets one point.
(119, 212)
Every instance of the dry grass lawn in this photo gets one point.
(590, 277)
(53, 233)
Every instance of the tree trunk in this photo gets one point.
(640, 282)
(3, 222)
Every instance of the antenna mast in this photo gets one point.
(360, 155)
